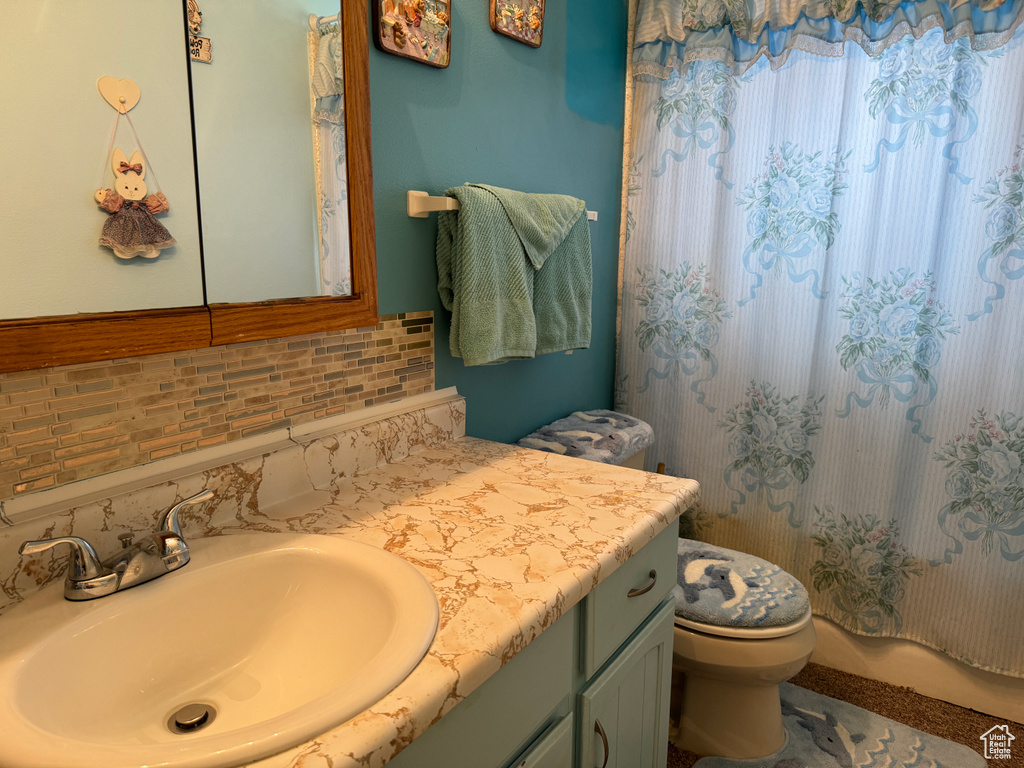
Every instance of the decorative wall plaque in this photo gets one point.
(414, 29)
(200, 48)
(522, 20)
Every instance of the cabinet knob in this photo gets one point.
(637, 591)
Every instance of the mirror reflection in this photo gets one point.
(270, 139)
(270, 146)
(57, 139)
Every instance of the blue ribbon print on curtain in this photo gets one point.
(986, 485)
(894, 340)
(858, 418)
(683, 315)
(1003, 198)
(864, 568)
(696, 108)
(926, 86)
(769, 439)
(789, 204)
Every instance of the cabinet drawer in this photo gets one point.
(552, 750)
(622, 602)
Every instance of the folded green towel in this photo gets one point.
(515, 271)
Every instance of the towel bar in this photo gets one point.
(419, 204)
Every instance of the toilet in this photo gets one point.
(743, 625)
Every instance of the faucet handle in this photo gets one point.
(170, 522)
(84, 562)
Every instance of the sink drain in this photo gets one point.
(191, 718)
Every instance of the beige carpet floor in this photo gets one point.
(900, 704)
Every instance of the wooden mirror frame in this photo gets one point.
(45, 342)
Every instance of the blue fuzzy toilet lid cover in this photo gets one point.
(726, 588)
(606, 436)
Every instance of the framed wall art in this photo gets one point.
(414, 29)
(522, 20)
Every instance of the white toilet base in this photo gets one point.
(729, 719)
(728, 690)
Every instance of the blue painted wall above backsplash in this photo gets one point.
(546, 120)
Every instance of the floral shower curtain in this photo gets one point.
(326, 78)
(822, 303)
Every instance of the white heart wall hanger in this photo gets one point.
(122, 95)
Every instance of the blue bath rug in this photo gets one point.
(822, 732)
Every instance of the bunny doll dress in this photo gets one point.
(131, 230)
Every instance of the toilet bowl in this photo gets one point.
(743, 625)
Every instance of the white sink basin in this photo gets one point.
(284, 636)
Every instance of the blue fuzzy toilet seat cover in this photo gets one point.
(606, 436)
(726, 588)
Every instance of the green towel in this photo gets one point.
(515, 271)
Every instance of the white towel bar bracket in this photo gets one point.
(419, 204)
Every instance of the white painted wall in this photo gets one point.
(54, 133)
(255, 147)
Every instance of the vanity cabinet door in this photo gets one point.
(623, 711)
(552, 750)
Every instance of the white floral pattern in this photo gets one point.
(1003, 199)
(790, 212)
(696, 107)
(926, 86)
(985, 485)
(769, 441)
(683, 317)
(896, 335)
(633, 188)
(863, 567)
(894, 339)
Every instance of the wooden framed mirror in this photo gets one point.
(42, 342)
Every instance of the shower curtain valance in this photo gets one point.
(672, 33)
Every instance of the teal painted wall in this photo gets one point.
(538, 120)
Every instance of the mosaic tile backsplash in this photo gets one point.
(59, 425)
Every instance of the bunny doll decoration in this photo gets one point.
(132, 229)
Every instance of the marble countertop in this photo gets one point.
(509, 538)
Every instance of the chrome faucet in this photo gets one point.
(155, 555)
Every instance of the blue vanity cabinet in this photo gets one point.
(508, 715)
(607, 661)
(626, 661)
(622, 602)
(623, 711)
(553, 749)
